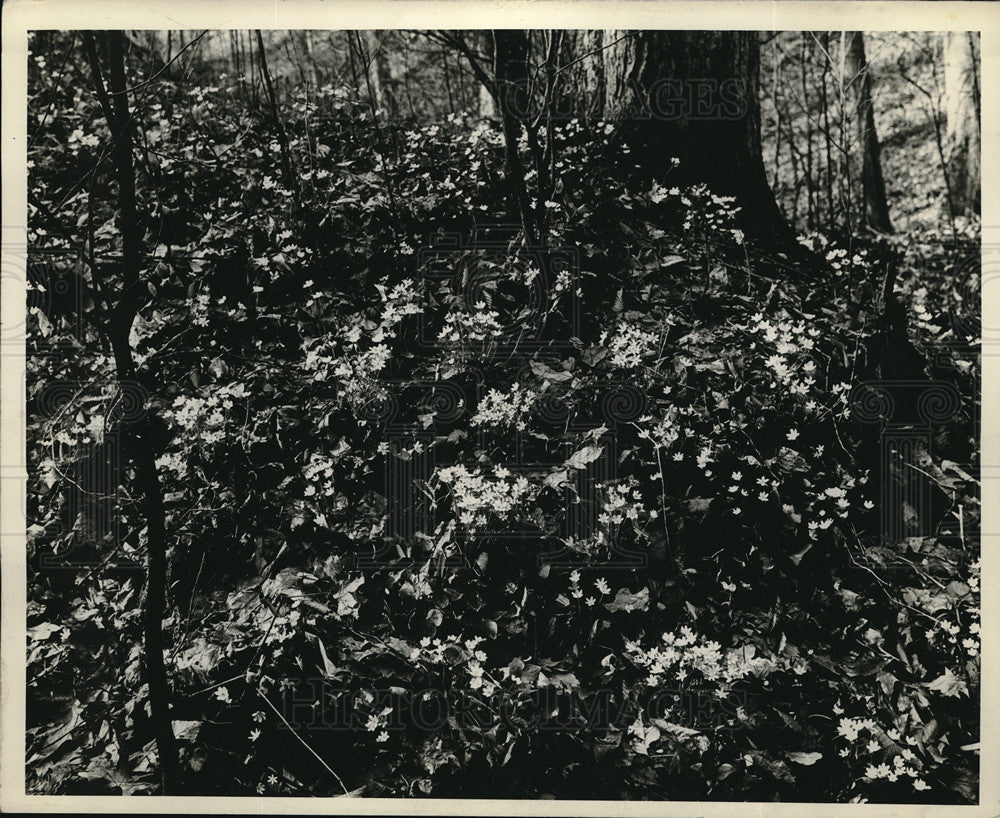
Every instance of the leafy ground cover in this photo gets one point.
(449, 516)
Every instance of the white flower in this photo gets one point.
(602, 586)
(501, 409)
(630, 345)
(792, 434)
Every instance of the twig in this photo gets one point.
(316, 755)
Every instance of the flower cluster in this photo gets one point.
(477, 496)
(78, 139)
(366, 351)
(904, 764)
(922, 317)
(402, 300)
(968, 631)
(704, 212)
(685, 651)
(318, 472)
(665, 432)
(199, 309)
(200, 420)
(462, 327)
(505, 409)
(842, 262)
(790, 364)
(620, 502)
(630, 346)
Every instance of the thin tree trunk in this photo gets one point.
(133, 294)
(279, 129)
(876, 210)
(828, 135)
(510, 71)
(810, 187)
(310, 50)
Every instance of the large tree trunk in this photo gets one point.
(962, 143)
(875, 213)
(585, 73)
(691, 95)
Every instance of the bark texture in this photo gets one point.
(963, 138)
(875, 213)
(691, 95)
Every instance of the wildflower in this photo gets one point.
(602, 586)
(792, 434)
(630, 346)
(501, 409)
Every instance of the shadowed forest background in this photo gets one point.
(509, 414)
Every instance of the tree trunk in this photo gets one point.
(585, 73)
(510, 71)
(368, 52)
(963, 141)
(875, 214)
(288, 175)
(386, 71)
(691, 95)
(309, 48)
(487, 105)
(133, 294)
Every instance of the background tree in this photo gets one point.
(875, 214)
(962, 143)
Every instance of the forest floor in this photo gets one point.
(643, 513)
